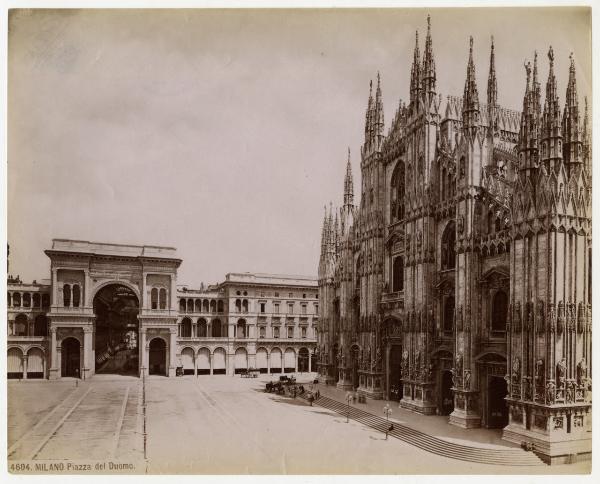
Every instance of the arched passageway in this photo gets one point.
(14, 363)
(241, 360)
(116, 339)
(303, 360)
(35, 363)
(447, 394)
(70, 358)
(157, 358)
(219, 362)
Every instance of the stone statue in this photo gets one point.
(561, 370)
(458, 364)
(550, 392)
(516, 369)
(467, 380)
(581, 373)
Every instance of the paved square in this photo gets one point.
(211, 425)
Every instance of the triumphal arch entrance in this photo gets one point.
(101, 315)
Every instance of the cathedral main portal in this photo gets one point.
(116, 330)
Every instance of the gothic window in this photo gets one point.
(238, 305)
(162, 298)
(154, 298)
(397, 193)
(443, 183)
(17, 300)
(205, 305)
(449, 314)
(220, 306)
(398, 275)
(448, 255)
(66, 295)
(498, 224)
(36, 300)
(213, 306)
(490, 222)
(499, 311)
(463, 166)
(182, 305)
(26, 300)
(190, 305)
(198, 305)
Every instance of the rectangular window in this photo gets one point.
(290, 295)
(304, 309)
(290, 332)
(276, 308)
(316, 309)
(304, 332)
(276, 332)
(276, 294)
(290, 308)
(263, 332)
(262, 307)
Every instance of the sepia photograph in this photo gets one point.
(299, 241)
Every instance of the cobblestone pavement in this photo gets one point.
(211, 425)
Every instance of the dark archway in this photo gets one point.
(71, 358)
(447, 394)
(157, 358)
(497, 408)
(116, 308)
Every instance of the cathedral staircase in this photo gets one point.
(511, 457)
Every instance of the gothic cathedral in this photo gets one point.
(460, 285)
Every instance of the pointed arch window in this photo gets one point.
(398, 275)
(397, 193)
(499, 311)
(154, 298)
(449, 314)
(448, 254)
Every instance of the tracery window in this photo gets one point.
(449, 314)
(448, 254)
(398, 274)
(499, 311)
(397, 193)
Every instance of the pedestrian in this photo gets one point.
(388, 430)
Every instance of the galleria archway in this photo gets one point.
(116, 348)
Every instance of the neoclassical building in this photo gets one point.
(461, 282)
(117, 309)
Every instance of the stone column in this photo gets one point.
(296, 362)
(24, 367)
(143, 357)
(268, 363)
(172, 351)
(309, 362)
(87, 290)
(54, 369)
(143, 295)
(88, 363)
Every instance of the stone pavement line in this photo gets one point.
(32, 430)
(57, 426)
(120, 423)
(232, 418)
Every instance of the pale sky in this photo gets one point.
(223, 133)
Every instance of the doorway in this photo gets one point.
(71, 358)
(157, 360)
(497, 408)
(395, 372)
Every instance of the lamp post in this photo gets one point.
(348, 399)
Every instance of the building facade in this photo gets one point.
(461, 282)
(117, 309)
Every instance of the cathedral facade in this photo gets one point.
(460, 284)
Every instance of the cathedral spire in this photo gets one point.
(573, 150)
(428, 72)
(378, 123)
(585, 136)
(415, 74)
(348, 184)
(324, 232)
(492, 92)
(528, 133)
(470, 108)
(369, 115)
(551, 136)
